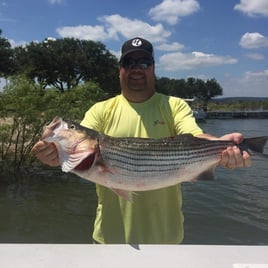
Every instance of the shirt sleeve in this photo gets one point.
(93, 118)
(184, 120)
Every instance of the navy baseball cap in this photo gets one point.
(137, 44)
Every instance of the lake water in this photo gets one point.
(52, 207)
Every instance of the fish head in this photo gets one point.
(77, 146)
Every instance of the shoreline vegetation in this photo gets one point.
(246, 114)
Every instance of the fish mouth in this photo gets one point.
(49, 130)
(86, 163)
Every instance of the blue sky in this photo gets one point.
(222, 39)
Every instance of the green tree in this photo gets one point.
(66, 63)
(173, 87)
(164, 85)
(20, 102)
(189, 88)
(212, 89)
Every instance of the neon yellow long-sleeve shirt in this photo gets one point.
(153, 217)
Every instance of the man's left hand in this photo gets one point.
(231, 157)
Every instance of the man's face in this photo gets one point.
(137, 72)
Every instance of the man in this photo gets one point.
(153, 216)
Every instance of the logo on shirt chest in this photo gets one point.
(159, 122)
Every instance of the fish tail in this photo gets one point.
(255, 146)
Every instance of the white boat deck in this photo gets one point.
(82, 255)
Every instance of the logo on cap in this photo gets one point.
(136, 42)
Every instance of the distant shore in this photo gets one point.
(237, 115)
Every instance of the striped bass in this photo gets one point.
(127, 165)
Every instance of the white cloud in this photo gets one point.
(255, 56)
(54, 2)
(170, 11)
(250, 84)
(170, 47)
(130, 28)
(50, 39)
(253, 7)
(253, 40)
(257, 75)
(13, 43)
(115, 25)
(86, 32)
(186, 61)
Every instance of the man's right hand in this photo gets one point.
(47, 153)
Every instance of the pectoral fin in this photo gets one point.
(207, 175)
(124, 194)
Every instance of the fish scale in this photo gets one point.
(156, 156)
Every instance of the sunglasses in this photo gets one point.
(143, 63)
